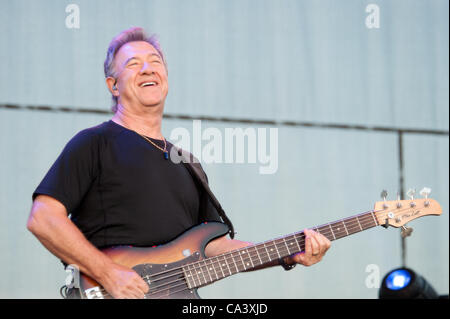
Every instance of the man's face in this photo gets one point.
(142, 75)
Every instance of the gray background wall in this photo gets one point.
(313, 64)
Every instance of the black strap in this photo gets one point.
(193, 166)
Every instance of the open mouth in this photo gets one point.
(148, 84)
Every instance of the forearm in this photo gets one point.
(63, 239)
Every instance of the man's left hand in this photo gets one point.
(316, 245)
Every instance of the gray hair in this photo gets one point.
(129, 35)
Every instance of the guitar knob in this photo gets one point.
(406, 231)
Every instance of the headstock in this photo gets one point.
(397, 213)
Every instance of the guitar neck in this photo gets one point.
(209, 270)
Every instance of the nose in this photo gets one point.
(146, 68)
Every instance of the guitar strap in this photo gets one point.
(195, 169)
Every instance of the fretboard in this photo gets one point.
(209, 270)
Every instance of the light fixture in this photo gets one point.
(404, 283)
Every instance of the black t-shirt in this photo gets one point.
(120, 190)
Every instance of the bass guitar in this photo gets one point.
(178, 268)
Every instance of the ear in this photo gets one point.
(110, 81)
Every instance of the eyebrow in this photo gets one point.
(133, 57)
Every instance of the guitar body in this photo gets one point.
(160, 265)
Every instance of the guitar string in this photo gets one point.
(272, 242)
(199, 279)
(368, 218)
(249, 256)
(350, 227)
(253, 255)
(183, 281)
(353, 229)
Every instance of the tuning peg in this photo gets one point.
(411, 192)
(399, 205)
(383, 196)
(425, 192)
(406, 231)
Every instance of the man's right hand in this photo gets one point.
(124, 283)
(48, 221)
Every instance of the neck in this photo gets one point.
(251, 257)
(146, 123)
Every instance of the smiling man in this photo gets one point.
(114, 184)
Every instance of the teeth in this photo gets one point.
(148, 84)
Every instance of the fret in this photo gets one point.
(259, 260)
(205, 268)
(195, 276)
(223, 263)
(332, 232)
(345, 227)
(352, 225)
(220, 266)
(272, 243)
(189, 276)
(243, 263)
(235, 265)
(339, 229)
(358, 223)
(325, 232)
(200, 271)
(226, 263)
(214, 268)
(287, 247)
(237, 259)
(249, 256)
(373, 216)
(276, 248)
(290, 244)
(300, 239)
(298, 245)
(267, 252)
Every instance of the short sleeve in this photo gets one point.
(73, 172)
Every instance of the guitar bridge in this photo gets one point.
(94, 293)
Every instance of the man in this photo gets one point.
(117, 185)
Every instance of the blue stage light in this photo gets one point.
(404, 283)
(398, 279)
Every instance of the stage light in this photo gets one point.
(404, 283)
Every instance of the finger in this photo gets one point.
(143, 286)
(136, 293)
(326, 243)
(321, 241)
(315, 247)
(308, 245)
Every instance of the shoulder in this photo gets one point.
(90, 137)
